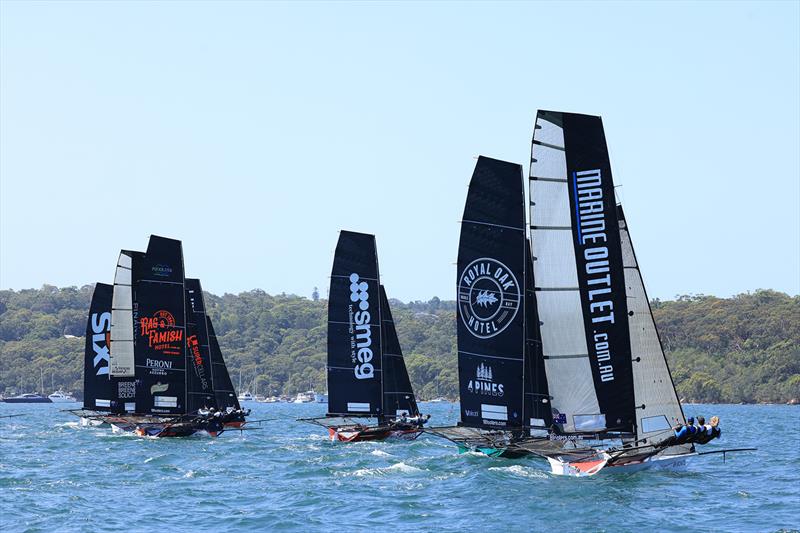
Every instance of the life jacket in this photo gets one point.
(709, 433)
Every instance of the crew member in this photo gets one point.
(709, 432)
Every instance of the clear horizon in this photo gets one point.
(254, 132)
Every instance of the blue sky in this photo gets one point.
(255, 131)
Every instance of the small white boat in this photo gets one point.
(62, 397)
(270, 399)
(246, 397)
(304, 397)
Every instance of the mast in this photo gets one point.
(98, 387)
(490, 321)
(657, 405)
(354, 329)
(398, 395)
(580, 285)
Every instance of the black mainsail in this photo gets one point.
(580, 281)
(490, 306)
(354, 329)
(367, 375)
(98, 387)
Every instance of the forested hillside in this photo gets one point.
(740, 349)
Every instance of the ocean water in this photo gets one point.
(287, 476)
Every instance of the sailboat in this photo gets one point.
(503, 393)
(151, 353)
(591, 390)
(367, 377)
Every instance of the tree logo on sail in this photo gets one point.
(482, 384)
(488, 297)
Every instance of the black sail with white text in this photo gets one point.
(490, 295)
(580, 284)
(354, 329)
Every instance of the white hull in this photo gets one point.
(657, 462)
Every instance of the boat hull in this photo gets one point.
(601, 465)
(505, 453)
(345, 434)
(28, 400)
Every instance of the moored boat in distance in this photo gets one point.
(304, 397)
(29, 397)
(62, 397)
(246, 397)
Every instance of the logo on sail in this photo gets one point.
(197, 358)
(483, 384)
(488, 297)
(101, 335)
(162, 333)
(161, 270)
(361, 333)
(159, 387)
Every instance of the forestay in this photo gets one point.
(490, 293)
(579, 277)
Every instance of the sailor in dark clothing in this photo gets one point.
(708, 432)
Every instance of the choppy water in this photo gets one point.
(56, 476)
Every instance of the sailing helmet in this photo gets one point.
(701, 420)
(690, 421)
